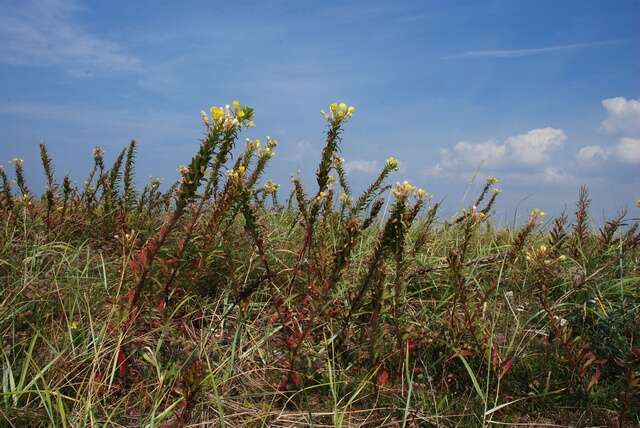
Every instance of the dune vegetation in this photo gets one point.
(221, 302)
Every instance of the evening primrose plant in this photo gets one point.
(206, 302)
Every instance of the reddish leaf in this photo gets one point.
(295, 378)
(162, 304)
(134, 265)
(505, 367)
(383, 377)
(411, 344)
(122, 364)
(594, 379)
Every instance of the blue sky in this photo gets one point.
(543, 94)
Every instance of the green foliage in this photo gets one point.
(206, 304)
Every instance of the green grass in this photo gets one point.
(214, 304)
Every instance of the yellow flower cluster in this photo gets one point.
(270, 187)
(543, 254)
(392, 163)
(404, 189)
(536, 215)
(229, 116)
(491, 180)
(267, 152)
(238, 173)
(345, 199)
(338, 112)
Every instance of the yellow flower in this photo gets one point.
(351, 110)
(491, 180)
(241, 169)
(333, 107)
(345, 199)
(236, 104)
(342, 108)
(536, 215)
(217, 113)
(422, 194)
(241, 114)
(392, 163)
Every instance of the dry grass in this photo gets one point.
(211, 304)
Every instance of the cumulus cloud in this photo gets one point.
(465, 153)
(532, 148)
(592, 153)
(360, 165)
(537, 145)
(554, 175)
(623, 120)
(628, 150)
(623, 116)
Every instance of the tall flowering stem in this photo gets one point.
(6, 190)
(223, 121)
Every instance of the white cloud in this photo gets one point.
(592, 153)
(628, 150)
(554, 175)
(365, 166)
(44, 33)
(516, 53)
(535, 146)
(466, 154)
(623, 116)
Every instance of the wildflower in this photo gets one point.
(236, 105)
(338, 112)
(392, 163)
(492, 180)
(98, 152)
(217, 113)
(17, 162)
(241, 169)
(322, 195)
(422, 194)
(403, 189)
(563, 322)
(331, 179)
(270, 187)
(271, 142)
(497, 191)
(205, 118)
(345, 199)
(536, 215)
